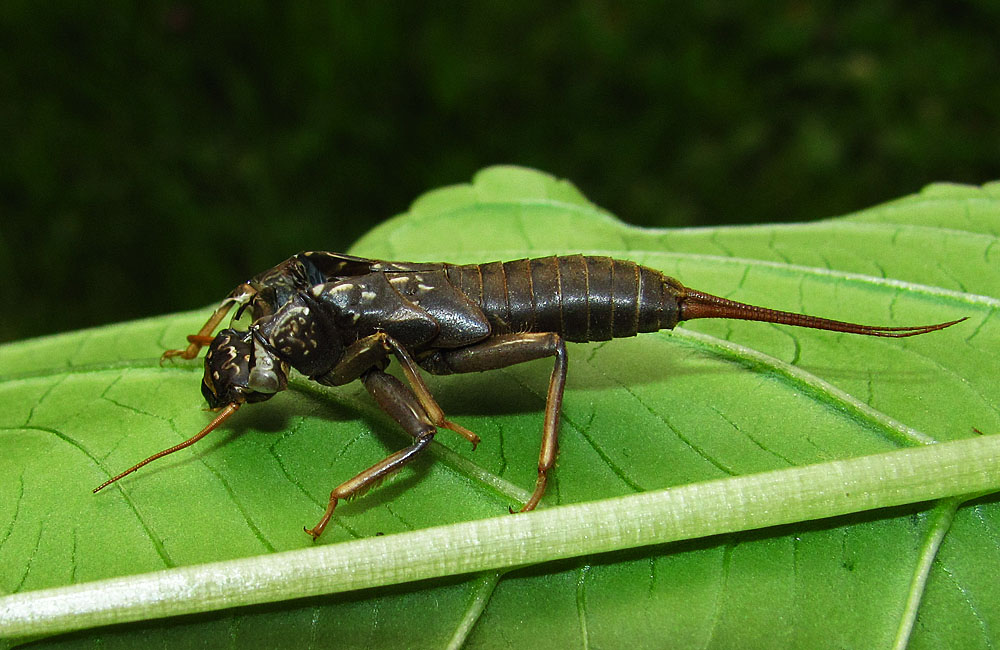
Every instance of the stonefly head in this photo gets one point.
(239, 368)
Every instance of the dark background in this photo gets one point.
(153, 156)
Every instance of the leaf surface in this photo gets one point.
(710, 400)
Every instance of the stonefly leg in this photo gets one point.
(400, 403)
(370, 352)
(508, 350)
(203, 337)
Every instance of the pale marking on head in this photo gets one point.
(232, 354)
(368, 295)
(424, 287)
(399, 280)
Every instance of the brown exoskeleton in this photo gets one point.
(336, 318)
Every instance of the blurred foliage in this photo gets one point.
(156, 154)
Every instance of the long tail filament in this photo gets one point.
(696, 304)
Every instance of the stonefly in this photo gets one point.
(336, 318)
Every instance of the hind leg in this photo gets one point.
(508, 350)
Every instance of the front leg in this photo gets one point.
(508, 350)
(202, 338)
(239, 296)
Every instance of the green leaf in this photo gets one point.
(711, 400)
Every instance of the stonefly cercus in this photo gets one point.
(336, 318)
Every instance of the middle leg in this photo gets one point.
(372, 352)
(400, 403)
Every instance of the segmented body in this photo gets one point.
(580, 297)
